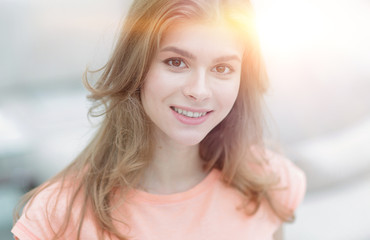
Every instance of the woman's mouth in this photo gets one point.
(187, 113)
(190, 116)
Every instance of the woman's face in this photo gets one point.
(193, 81)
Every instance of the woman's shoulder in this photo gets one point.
(52, 194)
(48, 210)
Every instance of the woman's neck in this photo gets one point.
(173, 168)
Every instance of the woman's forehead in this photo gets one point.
(199, 36)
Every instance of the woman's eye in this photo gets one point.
(176, 62)
(223, 69)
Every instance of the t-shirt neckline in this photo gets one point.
(142, 196)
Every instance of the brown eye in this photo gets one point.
(220, 69)
(175, 62)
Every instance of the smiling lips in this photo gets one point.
(188, 113)
(190, 117)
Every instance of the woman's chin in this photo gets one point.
(184, 137)
(189, 140)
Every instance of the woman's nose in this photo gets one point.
(197, 87)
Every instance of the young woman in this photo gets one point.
(179, 154)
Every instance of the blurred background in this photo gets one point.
(318, 59)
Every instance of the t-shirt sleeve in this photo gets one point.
(44, 216)
(292, 186)
(36, 223)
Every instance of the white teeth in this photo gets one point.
(188, 113)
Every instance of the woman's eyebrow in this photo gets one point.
(179, 51)
(189, 55)
(227, 58)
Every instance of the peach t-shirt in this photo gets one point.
(207, 211)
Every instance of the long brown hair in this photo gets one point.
(119, 152)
